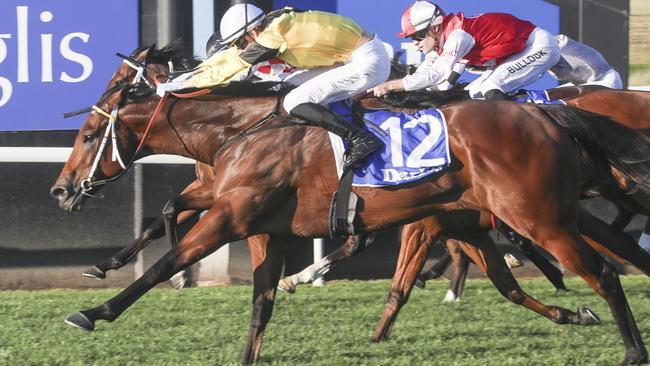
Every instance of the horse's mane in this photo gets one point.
(250, 88)
(420, 99)
(172, 52)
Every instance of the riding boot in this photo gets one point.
(361, 142)
(495, 94)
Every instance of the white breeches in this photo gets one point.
(611, 79)
(367, 67)
(540, 54)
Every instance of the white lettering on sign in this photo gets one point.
(21, 40)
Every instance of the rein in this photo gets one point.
(257, 128)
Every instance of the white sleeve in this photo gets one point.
(433, 72)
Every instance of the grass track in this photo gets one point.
(316, 326)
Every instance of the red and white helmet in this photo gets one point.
(419, 16)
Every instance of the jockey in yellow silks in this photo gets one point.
(338, 60)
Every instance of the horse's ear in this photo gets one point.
(396, 57)
(142, 55)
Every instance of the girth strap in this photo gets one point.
(343, 209)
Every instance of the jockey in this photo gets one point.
(339, 58)
(514, 51)
(271, 70)
(582, 65)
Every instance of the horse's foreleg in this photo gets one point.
(437, 270)
(485, 254)
(211, 232)
(194, 197)
(352, 246)
(525, 246)
(268, 255)
(122, 257)
(574, 253)
(460, 268)
(622, 219)
(416, 240)
(617, 245)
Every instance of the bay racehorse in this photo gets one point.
(614, 103)
(278, 181)
(626, 107)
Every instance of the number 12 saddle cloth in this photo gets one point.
(415, 146)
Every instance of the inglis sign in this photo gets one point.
(57, 56)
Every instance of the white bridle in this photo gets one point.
(87, 184)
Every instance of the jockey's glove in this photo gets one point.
(171, 86)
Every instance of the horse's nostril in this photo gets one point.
(59, 193)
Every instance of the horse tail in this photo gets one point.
(623, 148)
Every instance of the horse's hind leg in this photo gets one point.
(460, 267)
(268, 255)
(352, 246)
(416, 239)
(487, 257)
(574, 253)
(617, 245)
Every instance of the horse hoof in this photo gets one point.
(635, 357)
(286, 286)
(80, 321)
(512, 261)
(588, 316)
(419, 283)
(95, 272)
(179, 280)
(450, 297)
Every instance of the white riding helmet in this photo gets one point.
(238, 20)
(419, 16)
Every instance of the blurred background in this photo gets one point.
(56, 57)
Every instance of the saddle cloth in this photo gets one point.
(537, 97)
(415, 146)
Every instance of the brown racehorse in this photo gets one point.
(621, 249)
(624, 107)
(279, 182)
(614, 103)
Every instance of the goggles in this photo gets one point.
(420, 35)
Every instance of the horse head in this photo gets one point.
(109, 141)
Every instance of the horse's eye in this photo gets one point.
(88, 138)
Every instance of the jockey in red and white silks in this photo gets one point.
(514, 51)
(583, 65)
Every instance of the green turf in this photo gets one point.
(316, 326)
